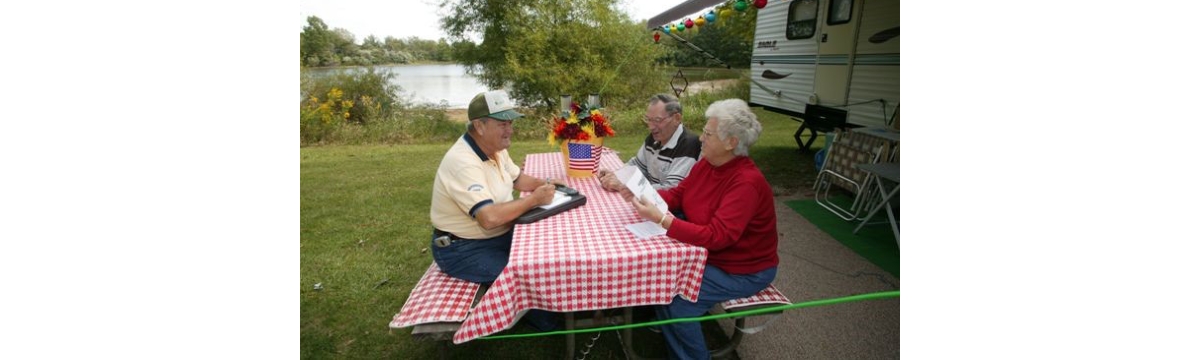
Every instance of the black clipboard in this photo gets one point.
(538, 213)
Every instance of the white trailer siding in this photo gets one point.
(879, 16)
(873, 82)
(794, 59)
(791, 92)
(876, 73)
(869, 73)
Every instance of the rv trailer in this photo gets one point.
(841, 54)
(833, 55)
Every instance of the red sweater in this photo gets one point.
(730, 211)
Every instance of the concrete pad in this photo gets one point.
(814, 266)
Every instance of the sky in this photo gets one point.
(402, 19)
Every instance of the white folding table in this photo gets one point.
(879, 172)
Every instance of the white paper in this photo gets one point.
(641, 188)
(645, 229)
(559, 199)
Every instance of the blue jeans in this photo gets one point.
(686, 340)
(480, 261)
(477, 261)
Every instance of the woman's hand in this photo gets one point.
(626, 194)
(646, 209)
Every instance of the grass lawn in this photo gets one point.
(364, 234)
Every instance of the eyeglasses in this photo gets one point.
(655, 121)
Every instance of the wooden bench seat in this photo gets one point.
(766, 298)
(436, 307)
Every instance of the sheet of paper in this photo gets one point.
(559, 199)
(641, 188)
(645, 229)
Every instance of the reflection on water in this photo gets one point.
(427, 83)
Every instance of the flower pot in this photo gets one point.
(582, 157)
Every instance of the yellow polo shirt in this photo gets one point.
(466, 181)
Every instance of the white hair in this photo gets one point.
(471, 124)
(734, 118)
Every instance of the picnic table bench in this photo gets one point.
(436, 307)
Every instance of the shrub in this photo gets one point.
(319, 118)
(360, 106)
(362, 86)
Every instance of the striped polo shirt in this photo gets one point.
(665, 165)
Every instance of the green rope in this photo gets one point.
(823, 302)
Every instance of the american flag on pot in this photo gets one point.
(582, 156)
(596, 157)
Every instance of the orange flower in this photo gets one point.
(579, 124)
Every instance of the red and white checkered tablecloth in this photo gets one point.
(584, 259)
(770, 295)
(436, 298)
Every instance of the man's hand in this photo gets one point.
(609, 181)
(544, 194)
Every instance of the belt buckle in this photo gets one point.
(442, 241)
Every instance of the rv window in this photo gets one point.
(802, 19)
(839, 11)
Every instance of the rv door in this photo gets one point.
(835, 48)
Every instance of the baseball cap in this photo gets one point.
(494, 104)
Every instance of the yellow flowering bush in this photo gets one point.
(319, 118)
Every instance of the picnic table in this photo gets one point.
(584, 259)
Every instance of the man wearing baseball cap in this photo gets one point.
(472, 209)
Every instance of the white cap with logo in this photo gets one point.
(494, 104)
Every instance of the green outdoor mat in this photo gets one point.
(874, 242)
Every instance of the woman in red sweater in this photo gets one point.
(730, 211)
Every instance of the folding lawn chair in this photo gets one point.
(848, 148)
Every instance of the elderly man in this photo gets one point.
(669, 151)
(472, 209)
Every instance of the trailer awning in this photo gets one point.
(679, 11)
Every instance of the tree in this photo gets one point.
(541, 49)
(343, 42)
(316, 43)
(371, 42)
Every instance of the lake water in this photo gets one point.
(427, 83)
